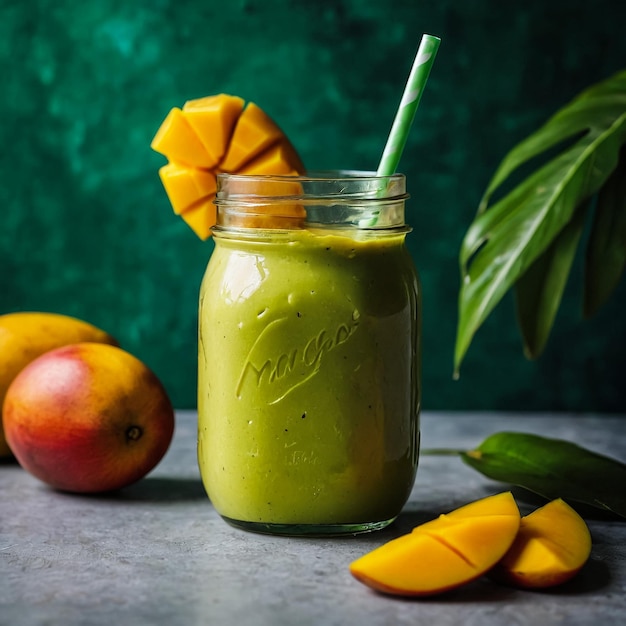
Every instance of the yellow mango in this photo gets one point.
(217, 134)
(479, 542)
(498, 504)
(201, 217)
(176, 140)
(25, 336)
(551, 547)
(412, 565)
(186, 185)
(281, 160)
(444, 553)
(213, 119)
(254, 132)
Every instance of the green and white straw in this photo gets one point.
(422, 65)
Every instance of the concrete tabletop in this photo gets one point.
(157, 552)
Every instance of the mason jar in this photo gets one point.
(309, 354)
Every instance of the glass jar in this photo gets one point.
(309, 354)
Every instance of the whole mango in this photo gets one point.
(88, 418)
(24, 336)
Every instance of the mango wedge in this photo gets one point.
(551, 547)
(212, 119)
(201, 217)
(177, 140)
(185, 186)
(280, 160)
(219, 134)
(444, 553)
(255, 132)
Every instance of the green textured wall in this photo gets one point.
(87, 229)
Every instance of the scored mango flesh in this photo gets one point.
(444, 553)
(219, 134)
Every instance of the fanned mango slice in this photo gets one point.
(185, 185)
(201, 217)
(280, 159)
(217, 134)
(498, 504)
(551, 547)
(213, 119)
(254, 132)
(179, 143)
(445, 553)
(412, 565)
(477, 542)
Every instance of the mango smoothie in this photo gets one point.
(308, 384)
(309, 322)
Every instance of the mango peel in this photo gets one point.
(217, 134)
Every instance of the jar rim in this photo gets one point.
(317, 184)
(340, 174)
(353, 198)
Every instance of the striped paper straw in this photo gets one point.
(422, 65)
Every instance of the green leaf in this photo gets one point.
(540, 290)
(606, 251)
(552, 468)
(505, 239)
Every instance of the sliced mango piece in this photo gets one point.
(254, 132)
(186, 185)
(445, 553)
(498, 504)
(280, 159)
(477, 542)
(176, 140)
(213, 119)
(216, 134)
(201, 217)
(413, 565)
(551, 547)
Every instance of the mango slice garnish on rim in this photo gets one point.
(219, 134)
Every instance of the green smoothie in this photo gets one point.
(308, 394)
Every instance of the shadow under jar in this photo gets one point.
(309, 354)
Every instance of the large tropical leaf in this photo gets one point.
(606, 252)
(506, 238)
(540, 289)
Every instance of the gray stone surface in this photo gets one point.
(157, 552)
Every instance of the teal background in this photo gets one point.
(87, 229)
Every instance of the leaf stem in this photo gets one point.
(441, 452)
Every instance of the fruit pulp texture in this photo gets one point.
(309, 366)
